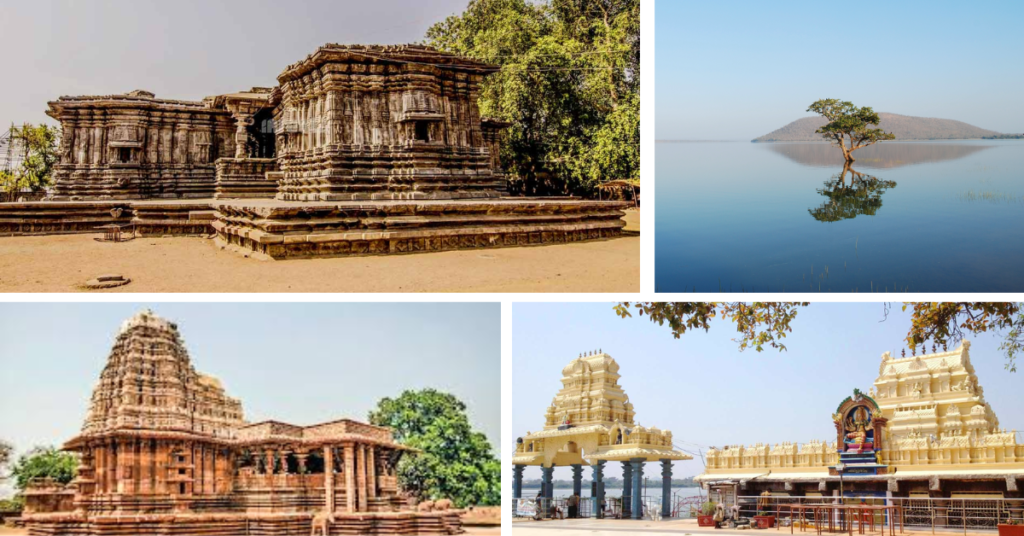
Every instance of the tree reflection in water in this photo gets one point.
(862, 196)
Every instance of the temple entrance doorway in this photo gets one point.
(262, 143)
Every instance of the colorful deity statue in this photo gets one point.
(856, 426)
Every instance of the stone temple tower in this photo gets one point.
(149, 383)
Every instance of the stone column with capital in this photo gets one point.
(350, 479)
(517, 485)
(598, 498)
(638, 476)
(328, 478)
(627, 489)
(666, 490)
(361, 476)
(242, 122)
(371, 468)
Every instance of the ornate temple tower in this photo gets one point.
(155, 425)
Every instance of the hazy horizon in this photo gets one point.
(187, 49)
(733, 71)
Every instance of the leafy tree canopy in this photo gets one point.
(848, 121)
(456, 462)
(40, 143)
(44, 462)
(569, 84)
(765, 323)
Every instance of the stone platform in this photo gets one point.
(233, 524)
(282, 230)
(275, 229)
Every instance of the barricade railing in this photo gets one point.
(971, 514)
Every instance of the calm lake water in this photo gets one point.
(784, 217)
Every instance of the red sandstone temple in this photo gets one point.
(165, 450)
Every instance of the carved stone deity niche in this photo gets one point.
(125, 144)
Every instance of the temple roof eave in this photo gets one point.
(173, 435)
(650, 453)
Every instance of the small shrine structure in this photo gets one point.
(164, 450)
(591, 422)
(923, 430)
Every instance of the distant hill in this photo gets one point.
(904, 127)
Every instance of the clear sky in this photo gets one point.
(708, 393)
(735, 70)
(182, 49)
(297, 363)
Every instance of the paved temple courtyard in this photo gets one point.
(63, 263)
(598, 527)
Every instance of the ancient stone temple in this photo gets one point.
(358, 150)
(164, 450)
(923, 430)
(591, 422)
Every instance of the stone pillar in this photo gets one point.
(517, 485)
(361, 476)
(300, 458)
(371, 467)
(577, 480)
(328, 479)
(666, 490)
(546, 482)
(598, 498)
(627, 489)
(350, 479)
(242, 122)
(638, 475)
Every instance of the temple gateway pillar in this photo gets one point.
(627, 489)
(577, 480)
(516, 485)
(666, 489)
(638, 475)
(546, 481)
(598, 469)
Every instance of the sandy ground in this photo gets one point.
(63, 263)
(599, 527)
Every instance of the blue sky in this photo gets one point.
(185, 49)
(734, 70)
(298, 363)
(708, 393)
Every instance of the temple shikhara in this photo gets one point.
(923, 430)
(165, 450)
(591, 422)
(357, 150)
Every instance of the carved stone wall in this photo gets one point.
(135, 146)
(373, 122)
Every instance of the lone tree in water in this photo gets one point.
(846, 120)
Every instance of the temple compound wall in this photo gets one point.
(926, 431)
(164, 450)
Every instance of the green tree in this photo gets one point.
(848, 121)
(456, 462)
(766, 323)
(44, 462)
(40, 143)
(569, 84)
